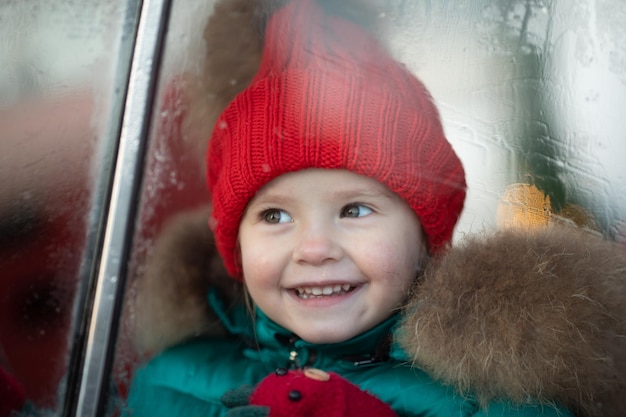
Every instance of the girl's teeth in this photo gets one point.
(307, 292)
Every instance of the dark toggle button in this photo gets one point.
(295, 395)
(280, 371)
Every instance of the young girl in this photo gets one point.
(332, 183)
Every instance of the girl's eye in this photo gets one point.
(275, 216)
(355, 210)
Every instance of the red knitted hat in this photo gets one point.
(328, 96)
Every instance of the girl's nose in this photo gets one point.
(316, 245)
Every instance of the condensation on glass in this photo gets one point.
(62, 81)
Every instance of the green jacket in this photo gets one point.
(189, 379)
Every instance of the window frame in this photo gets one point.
(92, 357)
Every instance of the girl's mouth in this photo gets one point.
(323, 291)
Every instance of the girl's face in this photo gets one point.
(329, 254)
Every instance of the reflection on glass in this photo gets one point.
(531, 95)
(59, 95)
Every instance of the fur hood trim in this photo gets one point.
(517, 314)
(169, 304)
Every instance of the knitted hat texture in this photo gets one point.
(327, 95)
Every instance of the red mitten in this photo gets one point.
(12, 396)
(315, 393)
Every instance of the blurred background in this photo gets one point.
(532, 96)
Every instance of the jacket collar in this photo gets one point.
(263, 333)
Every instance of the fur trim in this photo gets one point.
(170, 303)
(526, 314)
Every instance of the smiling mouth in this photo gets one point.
(326, 291)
